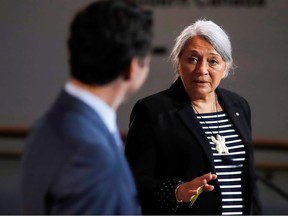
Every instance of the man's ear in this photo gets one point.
(132, 68)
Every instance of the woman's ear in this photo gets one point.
(225, 72)
(177, 68)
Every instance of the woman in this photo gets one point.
(193, 141)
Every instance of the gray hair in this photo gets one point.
(211, 32)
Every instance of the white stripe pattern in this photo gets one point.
(228, 166)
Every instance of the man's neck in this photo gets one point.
(111, 93)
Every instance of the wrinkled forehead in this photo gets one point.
(199, 45)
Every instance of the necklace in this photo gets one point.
(218, 140)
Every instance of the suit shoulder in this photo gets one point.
(230, 94)
(156, 102)
(162, 97)
(230, 97)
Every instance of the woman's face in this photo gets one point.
(201, 68)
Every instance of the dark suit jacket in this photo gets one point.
(72, 165)
(166, 142)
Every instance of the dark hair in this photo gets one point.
(104, 37)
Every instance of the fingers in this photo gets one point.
(202, 180)
(189, 189)
(208, 187)
(205, 179)
(208, 177)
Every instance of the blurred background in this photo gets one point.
(33, 68)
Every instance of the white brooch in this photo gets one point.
(219, 141)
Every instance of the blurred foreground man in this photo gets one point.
(73, 161)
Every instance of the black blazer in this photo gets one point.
(166, 144)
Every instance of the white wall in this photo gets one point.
(33, 57)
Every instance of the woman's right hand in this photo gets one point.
(187, 190)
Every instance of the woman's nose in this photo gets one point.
(202, 67)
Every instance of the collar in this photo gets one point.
(106, 113)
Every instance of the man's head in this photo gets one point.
(105, 37)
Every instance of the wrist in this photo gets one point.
(178, 185)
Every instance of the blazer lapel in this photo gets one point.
(188, 117)
(236, 115)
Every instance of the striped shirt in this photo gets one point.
(228, 166)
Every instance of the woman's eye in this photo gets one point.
(213, 62)
(193, 59)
